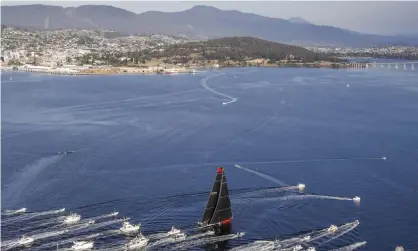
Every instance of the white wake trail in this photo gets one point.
(23, 178)
(28, 216)
(256, 246)
(263, 175)
(204, 84)
(120, 101)
(351, 247)
(307, 160)
(205, 241)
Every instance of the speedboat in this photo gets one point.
(129, 228)
(311, 249)
(297, 248)
(139, 241)
(173, 231)
(114, 213)
(356, 199)
(72, 218)
(82, 245)
(24, 240)
(306, 238)
(301, 186)
(240, 234)
(332, 229)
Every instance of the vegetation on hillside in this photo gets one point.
(239, 49)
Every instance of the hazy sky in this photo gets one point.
(369, 17)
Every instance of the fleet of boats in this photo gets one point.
(216, 217)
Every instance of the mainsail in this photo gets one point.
(218, 209)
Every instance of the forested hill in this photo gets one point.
(241, 49)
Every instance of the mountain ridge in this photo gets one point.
(198, 22)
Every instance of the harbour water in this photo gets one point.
(148, 147)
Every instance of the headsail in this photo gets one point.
(218, 209)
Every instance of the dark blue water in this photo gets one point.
(140, 139)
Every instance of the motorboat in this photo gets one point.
(139, 241)
(356, 199)
(297, 248)
(24, 240)
(82, 245)
(129, 228)
(66, 152)
(61, 210)
(311, 249)
(114, 213)
(301, 186)
(240, 234)
(173, 231)
(72, 218)
(306, 238)
(332, 229)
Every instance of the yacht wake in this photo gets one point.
(256, 246)
(203, 241)
(351, 247)
(263, 175)
(29, 216)
(23, 178)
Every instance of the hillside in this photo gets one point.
(199, 22)
(239, 50)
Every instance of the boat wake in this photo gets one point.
(263, 175)
(28, 216)
(22, 179)
(208, 240)
(351, 247)
(204, 84)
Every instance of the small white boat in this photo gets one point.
(82, 245)
(173, 231)
(297, 248)
(301, 186)
(138, 242)
(332, 229)
(356, 199)
(240, 234)
(114, 213)
(306, 238)
(72, 218)
(311, 249)
(129, 228)
(24, 240)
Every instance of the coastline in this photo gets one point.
(165, 71)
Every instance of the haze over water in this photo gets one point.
(139, 139)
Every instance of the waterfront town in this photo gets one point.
(89, 51)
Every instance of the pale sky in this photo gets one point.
(369, 17)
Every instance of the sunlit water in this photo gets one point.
(148, 147)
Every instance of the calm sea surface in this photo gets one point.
(148, 147)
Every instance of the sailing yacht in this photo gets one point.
(218, 212)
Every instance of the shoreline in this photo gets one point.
(170, 71)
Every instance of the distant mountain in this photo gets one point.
(199, 22)
(298, 20)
